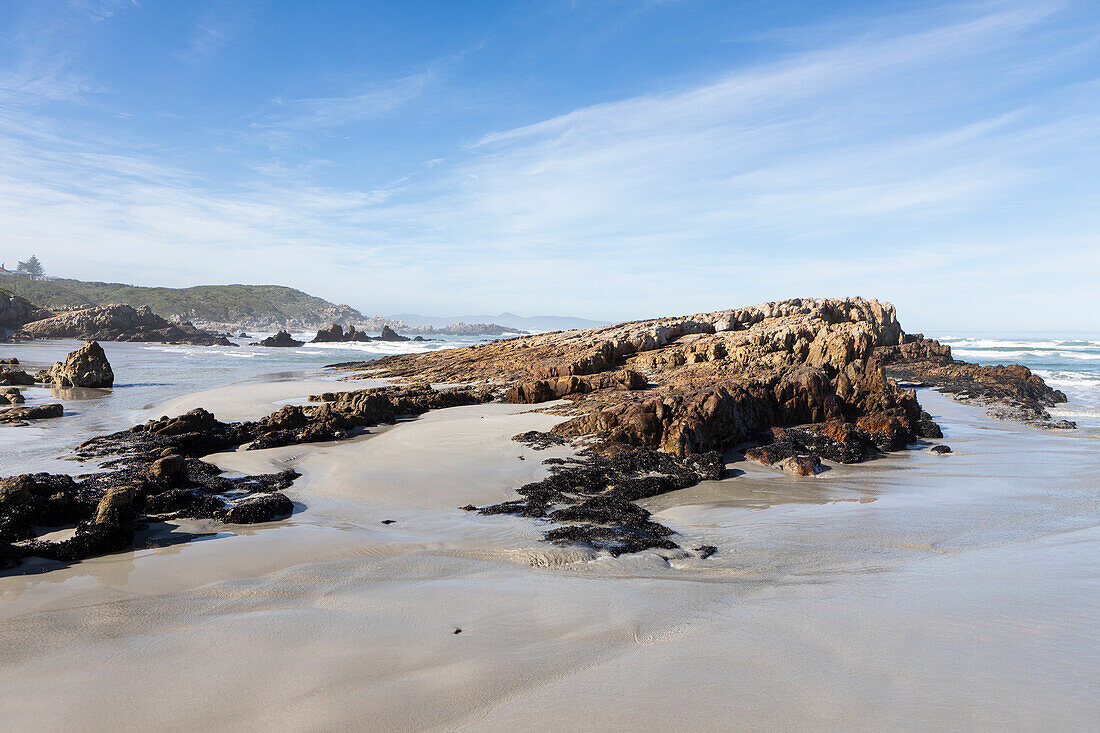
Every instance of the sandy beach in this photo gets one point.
(912, 592)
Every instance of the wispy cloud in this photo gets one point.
(215, 28)
(895, 164)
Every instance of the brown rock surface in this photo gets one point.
(30, 412)
(85, 367)
(1011, 391)
(120, 323)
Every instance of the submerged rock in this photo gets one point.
(85, 367)
(941, 449)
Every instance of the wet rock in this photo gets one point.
(262, 508)
(941, 449)
(594, 497)
(11, 396)
(706, 551)
(31, 412)
(1010, 392)
(85, 367)
(116, 506)
(801, 465)
(536, 440)
(168, 469)
(12, 361)
(282, 339)
(15, 378)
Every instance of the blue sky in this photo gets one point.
(604, 159)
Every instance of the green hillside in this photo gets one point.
(246, 305)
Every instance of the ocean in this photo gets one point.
(147, 375)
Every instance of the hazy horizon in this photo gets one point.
(599, 160)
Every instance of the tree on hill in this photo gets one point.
(32, 266)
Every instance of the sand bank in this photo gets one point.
(912, 592)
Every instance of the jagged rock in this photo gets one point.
(15, 311)
(85, 367)
(12, 361)
(31, 412)
(11, 396)
(388, 334)
(262, 508)
(120, 323)
(336, 334)
(542, 390)
(1010, 392)
(15, 378)
(281, 339)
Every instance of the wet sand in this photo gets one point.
(913, 592)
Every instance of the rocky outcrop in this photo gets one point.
(14, 312)
(9, 362)
(336, 334)
(21, 415)
(11, 396)
(85, 367)
(1010, 392)
(15, 378)
(388, 334)
(282, 339)
(120, 323)
(802, 379)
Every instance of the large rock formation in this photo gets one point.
(14, 312)
(120, 323)
(717, 378)
(654, 402)
(85, 367)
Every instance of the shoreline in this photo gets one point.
(368, 610)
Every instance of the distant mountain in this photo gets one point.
(220, 307)
(522, 323)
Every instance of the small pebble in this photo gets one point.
(458, 631)
(389, 521)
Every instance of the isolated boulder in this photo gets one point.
(85, 367)
(259, 508)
